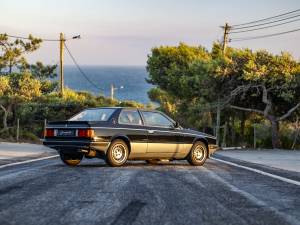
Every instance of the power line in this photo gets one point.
(27, 38)
(43, 39)
(265, 19)
(256, 25)
(260, 28)
(263, 36)
(80, 70)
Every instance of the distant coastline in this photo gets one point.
(131, 78)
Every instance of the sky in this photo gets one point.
(122, 32)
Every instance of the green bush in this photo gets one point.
(28, 135)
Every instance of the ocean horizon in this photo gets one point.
(130, 81)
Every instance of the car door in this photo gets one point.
(162, 136)
(130, 124)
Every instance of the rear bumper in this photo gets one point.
(78, 146)
(213, 148)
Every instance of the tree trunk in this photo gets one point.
(242, 125)
(297, 132)
(4, 119)
(233, 134)
(5, 127)
(10, 66)
(275, 133)
(6, 112)
(218, 122)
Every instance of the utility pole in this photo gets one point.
(112, 91)
(226, 29)
(61, 62)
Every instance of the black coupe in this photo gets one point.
(118, 134)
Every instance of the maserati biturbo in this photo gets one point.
(118, 134)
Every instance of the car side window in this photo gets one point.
(130, 117)
(156, 119)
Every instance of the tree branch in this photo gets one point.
(288, 112)
(246, 109)
(3, 108)
(245, 88)
(234, 93)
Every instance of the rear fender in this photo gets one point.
(121, 137)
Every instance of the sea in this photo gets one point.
(129, 81)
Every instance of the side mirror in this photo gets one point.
(176, 125)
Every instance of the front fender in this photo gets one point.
(210, 145)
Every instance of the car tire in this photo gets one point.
(117, 153)
(71, 159)
(198, 154)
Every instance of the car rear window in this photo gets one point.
(93, 115)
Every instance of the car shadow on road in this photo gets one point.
(137, 164)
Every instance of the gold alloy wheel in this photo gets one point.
(72, 162)
(71, 159)
(119, 152)
(199, 153)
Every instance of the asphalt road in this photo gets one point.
(48, 192)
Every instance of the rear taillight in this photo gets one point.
(49, 132)
(87, 133)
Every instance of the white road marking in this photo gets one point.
(287, 180)
(28, 161)
(290, 219)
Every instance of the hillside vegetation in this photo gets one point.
(250, 88)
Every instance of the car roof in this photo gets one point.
(120, 107)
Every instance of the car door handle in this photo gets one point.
(150, 131)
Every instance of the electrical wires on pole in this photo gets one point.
(264, 36)
(62, 40)
(43, 39)
(62, 45)
(268, 18)
(28, 38)
(288, 18)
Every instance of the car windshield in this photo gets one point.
(93, 115)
